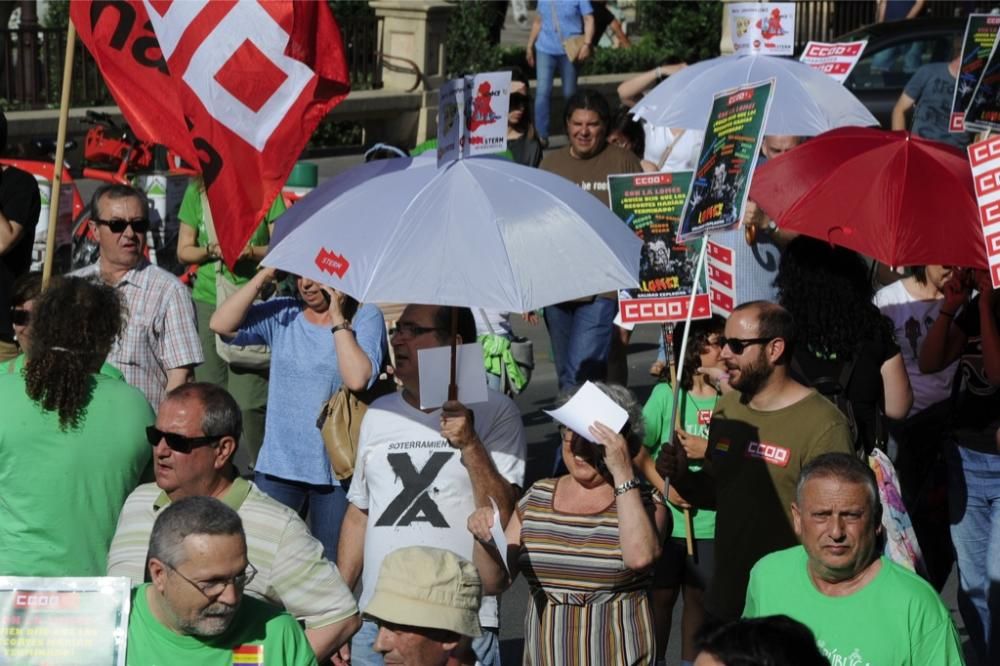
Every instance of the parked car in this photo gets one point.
(895, 51)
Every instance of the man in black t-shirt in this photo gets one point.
(20, 204)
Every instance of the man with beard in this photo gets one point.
(194, 611)
(764, 429)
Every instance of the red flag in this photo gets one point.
(236, 88)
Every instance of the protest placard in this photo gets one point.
(64, 621)
(487, 99)
(450, 121)
(728, 156)
(984, 157)
(980, 36)
(836, 59)
(650, 204)
(721, 278)
(763, 27)
(983, 112)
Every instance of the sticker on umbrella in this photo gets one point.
(980, 36)
(767, 28)
(728, 156)
(332, 263)
(835, 59)
(651, 204)
(984, 157)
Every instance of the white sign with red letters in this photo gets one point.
(835, 59)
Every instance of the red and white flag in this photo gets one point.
(235, 88)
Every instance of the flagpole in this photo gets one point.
(674, 414)
(57, 168)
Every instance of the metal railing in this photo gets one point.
(31, 63)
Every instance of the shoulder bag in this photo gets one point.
(573, 44)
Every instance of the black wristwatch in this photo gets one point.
(346, 326)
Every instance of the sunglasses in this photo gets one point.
(20, 317)
(179, 443)
(139, 225)
(738, 345)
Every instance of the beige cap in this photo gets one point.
(430, 588)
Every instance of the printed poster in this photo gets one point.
(836, 59)
(976, 103)
(64, 621)
(472, 116)
(487, 102)
(728, 157)
(450, 123)
(984, 158)
(766, 28)
(651, 204)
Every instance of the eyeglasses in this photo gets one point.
(139, 225)
(412, 330)
(176, 442)
(738, 345)
(213, 588)
(19, 316)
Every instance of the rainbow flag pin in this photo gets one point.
(248, 654)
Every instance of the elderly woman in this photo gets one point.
(319, 341)
(73, 439)
(586, 542)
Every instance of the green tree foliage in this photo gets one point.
(56, 15)
(467, 45)
(682, 31)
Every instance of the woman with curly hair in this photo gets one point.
(73, 442)
(847, 342)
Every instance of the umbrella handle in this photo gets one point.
(453, 383)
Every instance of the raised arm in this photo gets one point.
(945, 340)
(638, 532)
(457, 429)
(228, 316)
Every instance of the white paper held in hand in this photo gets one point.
(499, 538)
(590, 404)
(435, 374)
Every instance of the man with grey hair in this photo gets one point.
(160, 345)
(426, 606)
(193, 611)
(193, 442)
(862, 607)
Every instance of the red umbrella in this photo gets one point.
(892, 196)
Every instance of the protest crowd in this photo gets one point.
(282, 470)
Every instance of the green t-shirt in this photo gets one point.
(260, 634)
(191, 214)
(696, 418)
(63, 490)
(895, 620)
(16, 364)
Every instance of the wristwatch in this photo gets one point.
(627, 486)
(346, 326)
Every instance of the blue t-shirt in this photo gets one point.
(304, 374)
(933, 88)
(570, 14)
